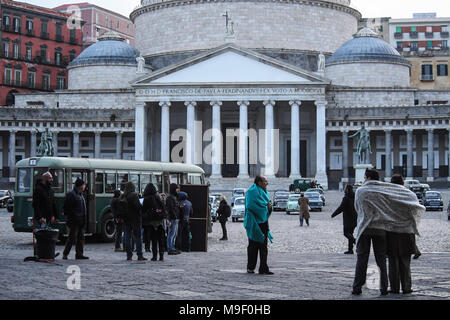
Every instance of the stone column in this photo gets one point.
(165, 131)
(269, 169)
(430, 177)
(97, 148)
(190, 134)
(321, 170)
(409, 148)
(243, 139)
(55, 142)
(295, 139)
(12, 153)
(119, 136)
(216, 152)
(76, 144)
(448, 179)
(140, 151)
(388, 146)
(33, 142)
(345, 177)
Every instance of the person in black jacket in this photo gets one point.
(44, 204)
(186, 211)
(132, 221)
(223, 213)
(173, 213)
(117, 220)
(75, 211)
(400, 247)
(153, 215)
(350, 216)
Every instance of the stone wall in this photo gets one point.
(430, 96)
(303, 25)
(101, 77)
(368, 75)
(118, 99)
(371, 97)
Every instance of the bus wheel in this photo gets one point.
(108, 228)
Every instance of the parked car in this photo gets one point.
(322, 194)
(292, 204)
(280, 200)
(4, 197)
(237, 193)
(419, 191)
(433, 201)
(315, 201)
(412, 183)
(238, 209)
(301, 185)
(214, 201)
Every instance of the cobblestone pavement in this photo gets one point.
(308, 264)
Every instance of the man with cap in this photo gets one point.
(75, 211)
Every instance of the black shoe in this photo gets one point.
(266, 272)
(161, 258)
(416, 256)
(250, 271)
(384, 292)
(172, 253)
(129, 259)
(394, 292)
(142, 259)
(64, 257)
(178, 252)
(357, 292)
(408, 292)
(153, 259)
(81, 258)
(349, 252)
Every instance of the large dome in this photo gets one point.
(366, 46)
(368, 61)
(110, 49)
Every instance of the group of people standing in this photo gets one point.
(386, 215)
(163, 221)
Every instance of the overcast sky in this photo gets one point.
(368, 8)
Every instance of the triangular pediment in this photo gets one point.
(230, 65)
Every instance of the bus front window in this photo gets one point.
(23, 180)
(58, 180)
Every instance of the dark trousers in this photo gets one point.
(119, 230)
(255, 247)
(348, 233)
(76, 236)
(157, 239)
(301, 221)
(224, 229)
(183, 236)
(133, 231)
(146, 239)
(400, 272)
(363, 251)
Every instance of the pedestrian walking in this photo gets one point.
(186, 212)
(75, 210)
(400, 247)
(173, 213)
(303, 204)
(258, 209)
(381, 207)
(129, 202)
(223, 213)
(117, 220)
(43, 202)
(154, 212)
(347, 207)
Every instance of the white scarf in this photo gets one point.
(387, 206)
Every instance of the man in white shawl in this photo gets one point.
(382, 207)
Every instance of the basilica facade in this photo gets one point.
(242, 88)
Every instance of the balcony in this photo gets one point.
(6, 27)
(429, 35)
(73, 40)
(427, 77)
(59, 38)
(414, 35)
(444, 34)
(398, 35)
(30, 33)
(44, 35)
(28, 85)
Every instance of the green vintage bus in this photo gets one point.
(103, 177)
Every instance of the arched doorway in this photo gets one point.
(10, 98)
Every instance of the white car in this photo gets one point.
(238, 209)
(412, 183)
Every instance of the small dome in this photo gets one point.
(366, 46)
(110, 49)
